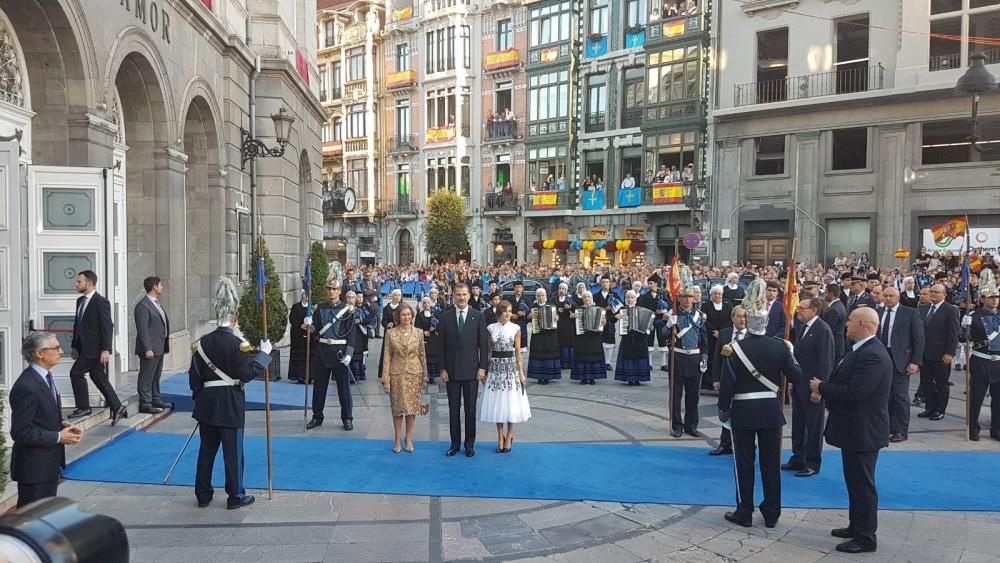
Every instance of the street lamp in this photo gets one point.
(252, 148)
(977, 80)
(694, 200)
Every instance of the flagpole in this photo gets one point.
(308, 331)
(267, 371)
(671, 380)
(789, 316)
(968, 311)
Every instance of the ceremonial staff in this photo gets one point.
(966, 279)
(307, 287)
(674, 282)
(262, 301)
(790, 302)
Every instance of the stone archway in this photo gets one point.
(204, 214)
(405, 248)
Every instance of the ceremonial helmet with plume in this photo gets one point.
(227, 302)
(988, 284)
(335, 277)
(687, 283)
(755, 303)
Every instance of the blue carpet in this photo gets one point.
(618, 473)
(284, 395)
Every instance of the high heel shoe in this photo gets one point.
(508, 448)
(396, 449)
(500, 449)
(409, 449)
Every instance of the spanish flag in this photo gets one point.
(791, 298)
(668, 193)
(954, 228)
(404, 13)
(674, 278)
(544, 200)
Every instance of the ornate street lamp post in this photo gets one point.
(252, 148)
(976, 80)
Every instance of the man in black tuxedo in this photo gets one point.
(835, 316)
(729, 335)
(941, 326)
(36, 425)
(93, 331)
(814, 352)
(465, 346)
(902, 333)
(775, 311)
(152, 328)
(857, 396)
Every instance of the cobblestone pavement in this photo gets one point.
(164, 523)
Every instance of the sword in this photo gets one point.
(186, 444)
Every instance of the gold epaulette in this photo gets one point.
(789, 345)
(727, 350)
(194, 346)
(245, 347)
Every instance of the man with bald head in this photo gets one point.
(857, 398)
(902, 333)
(941, 326)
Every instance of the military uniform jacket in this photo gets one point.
(985, 325)
(223, 406)
(690, 329)
(863, 299)
(772, 358)
(329, 355)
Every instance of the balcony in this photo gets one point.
(949, 61)
(324, 96)
(631, 117)
(845, 81)
(364, 207)
(435, 135)
(402, 144)
(401, 80)
(336, 93)
(500, 131)
(356, 145)
(549, 200)
(333, 148)
(595, 122)
(501, 204)
(403, 208)
(673, 28)
(508, 60)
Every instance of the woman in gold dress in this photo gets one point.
(404, 366)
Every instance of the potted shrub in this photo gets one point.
(251, 319)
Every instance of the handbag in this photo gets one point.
(424, 409)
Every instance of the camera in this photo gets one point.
(54, 530)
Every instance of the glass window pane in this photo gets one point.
(68, 209)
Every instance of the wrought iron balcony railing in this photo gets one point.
(841, 81)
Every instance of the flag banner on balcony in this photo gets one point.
(549, 55)
(674, 29)
(440, 134)
(544, 200)
(597, 45)
(402, 9)
(629, 197)
(302, 65)
(592, 199)
(668, 193)
(635, 37)
(502, 59)
(946, 232)
(401, 78)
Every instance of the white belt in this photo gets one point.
(995, 358)
(331, 341)
(690, 352)
(754, 395)
(224, 379)
(219, 383)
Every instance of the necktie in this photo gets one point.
(885, 327)
(83, 305)
(803, 331)
(930, 312)
(52, 387)
(461, 321)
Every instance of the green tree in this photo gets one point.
(320, 270)
(250, 311)
(446, 226)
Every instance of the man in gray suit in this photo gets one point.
(902, 331)
(151, 330)
(465, 342)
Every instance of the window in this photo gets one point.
(466, 46)
(402, 57)
(327, 132)
(945, 53)
(847, 236)
(430, 52)
(982, 4)
(548, 96)
(336, 80)
(403, 181)
(503, 171)
(338, 129)
(852, 54)
(503, 97)
(635, 12)
(599, 19)
(356, 64)
(985, 26)
(324, 89)
(505, 35)
(770, 155)
(356, 121)
(632, 164)
(546, 166)
(597, 102)
(673, 75)
(594, 166)
(549, 24)
(357, 177)
(441, 49)
(403, 117)
(330, 33)
(466, 110)
(944, 6)
(772, 65)
(668, 154)
(441, 108)
(441, 175)
(948, 141)
(633, 98)
(849, 149)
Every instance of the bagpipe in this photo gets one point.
(614, 305)
(661, 305)
(522, 307)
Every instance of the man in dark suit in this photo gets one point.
(729, 335)
(93, 331)
(835, 316)
(152, 328)
(775, 311)
(902, 333)
(941, 326)
(36, 425)
(860, 297)
(465, 348)
(814, 352)
(857, 396)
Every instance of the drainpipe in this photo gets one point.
(252, 128)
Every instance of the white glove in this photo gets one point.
(703, 366)
(308, 321)
(967, 320)
(265, 346)
(672, 320)
(346, 361)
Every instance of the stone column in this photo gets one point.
(171, 251)
(90, 143)
(808, 164)
(893, 226)
(727, 186)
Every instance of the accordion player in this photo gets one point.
(543, 317)
(636, 319)
(590, 319)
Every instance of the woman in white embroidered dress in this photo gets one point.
(505, 401)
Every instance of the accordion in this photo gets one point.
(543, 317)
(636, 319)
(590, 319)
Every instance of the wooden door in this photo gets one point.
(767, 250)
